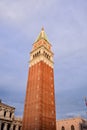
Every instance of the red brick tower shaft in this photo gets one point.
(39, 109)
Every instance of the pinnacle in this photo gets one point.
(42, 29)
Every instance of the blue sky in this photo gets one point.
(65, 22)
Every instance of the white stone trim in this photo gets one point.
(41, 58)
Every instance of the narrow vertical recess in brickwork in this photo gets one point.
(39, 107)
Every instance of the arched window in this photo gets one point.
(8, 127)
(72, 127)
(14, 127)
(10, 114)
(2, 126)
(4, 113)
(63, 128)
(19, 128)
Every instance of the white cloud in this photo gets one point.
(19, 11)
(11, 11)
(75, 114)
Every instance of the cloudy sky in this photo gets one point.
(65, 23)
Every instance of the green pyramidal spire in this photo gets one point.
(42, 35)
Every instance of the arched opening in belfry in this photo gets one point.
(2, 126)
(14, 127)
(8, 127)
(72, 127)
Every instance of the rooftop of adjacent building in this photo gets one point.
(18, 119)
(72, 119)
(5, 105)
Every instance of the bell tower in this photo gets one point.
(39, 108)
